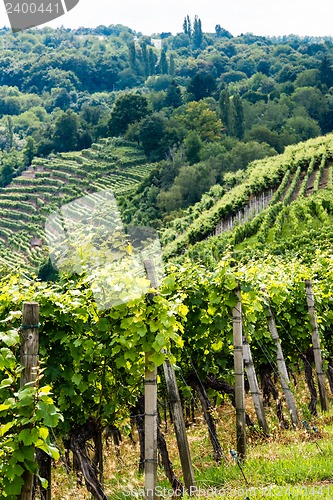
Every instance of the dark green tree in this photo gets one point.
(201, 85)
(145, 58)
(187, 27)
(197, 33)
(152, 61)
(221, 32)
(152, 136)
(326, 72)
(128, 108)
(132, 55)
(163, 64)
(9, 133)
(65, 136)
(172, 65)
(238, 116)
(225, 110)
(29, 151)
(173, 96)
(192, 144)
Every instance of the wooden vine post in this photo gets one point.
(239, 376)
(316, 347)
(175, 403)
(179, 425)
(254, 386)
(29, 361)
(151, 416)
(282, 369)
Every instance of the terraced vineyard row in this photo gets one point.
(110, 164)
(300, 171)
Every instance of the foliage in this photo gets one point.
(26, 414)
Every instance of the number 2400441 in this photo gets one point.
(31, 8)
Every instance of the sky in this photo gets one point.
(260, 17)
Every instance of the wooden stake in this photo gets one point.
(239, 377)
(254, 386)
(151, 417)
(284, 377)
(150, 431)
(175, 403)
(179, 425)
(316, 347)
(29, 361)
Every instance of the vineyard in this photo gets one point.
(260, 257)
(48, 183)
(300, 171)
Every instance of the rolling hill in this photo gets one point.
(265, 194)
(26, 202)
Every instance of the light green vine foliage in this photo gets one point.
(26, 414)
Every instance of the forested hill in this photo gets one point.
(210, 97)
(199, 106)
(283, 205)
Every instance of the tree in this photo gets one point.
(201, 85)
(29, 151)
(173, 96)
(199, 117)
(192, 144)
(326, 72)
(152, 61)
(188, 187)
(221, 32)
(197, 33)
(144, 52)
(244, 153)
(128, 108)
(239, 116)
(65, 136)
(172, 65)
(312, 100)
(152, 136)
(132, 55)
(299, 128)
(9, 133)
(61, 98)
(261, 133)
(163, 64)
(225, 110)
(187, 28)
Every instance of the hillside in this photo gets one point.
(48, 183)
(261, 196)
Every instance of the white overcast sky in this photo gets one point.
(261, 17)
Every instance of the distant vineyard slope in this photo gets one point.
(25, 203)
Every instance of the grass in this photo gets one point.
(285, 464)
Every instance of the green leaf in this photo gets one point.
(157, 358)
(5, 428)
(43, 433)
(28, 436)
(76, 379)
(51, 450)
(10, 338)
(6, 382)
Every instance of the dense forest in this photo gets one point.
(200, 104)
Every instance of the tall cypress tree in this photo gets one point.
(239, 116)
(172, 65)
(185, 26)
(163, 65)
(152, 60)
(145, 59)
(225, 110)
(132, 55)
(197, 33)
